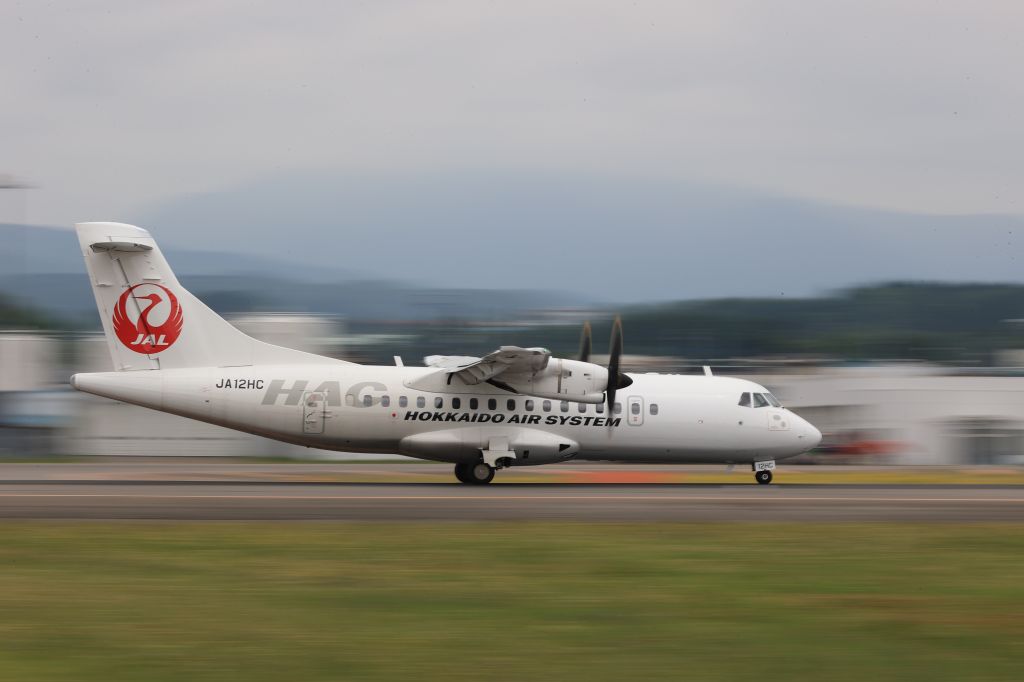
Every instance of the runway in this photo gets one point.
(220, 491)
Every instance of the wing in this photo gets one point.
(507, 359)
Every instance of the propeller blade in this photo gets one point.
(614, 356)
(585, 343)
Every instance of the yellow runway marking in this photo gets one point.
(520, 498)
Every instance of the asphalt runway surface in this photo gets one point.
(176, 491)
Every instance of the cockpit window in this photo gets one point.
(745, 400)
(773, 400)
(760, 400)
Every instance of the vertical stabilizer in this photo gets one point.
(150, 320)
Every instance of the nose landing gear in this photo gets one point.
(763, 471)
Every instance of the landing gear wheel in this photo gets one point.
(462, 472)
(763, 477)
(480, 473)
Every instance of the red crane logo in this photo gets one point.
(142, 335)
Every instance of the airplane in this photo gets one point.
(512, 407)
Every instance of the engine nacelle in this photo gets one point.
(573, 380)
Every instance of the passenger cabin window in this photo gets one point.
(421, 401)
(745, 400)
(367, 400)
(385, 400)
(635, 408)
(583, 408)
(492, 404)
(511, 404)
(439, 402)
(547, 405)
(600, 408)
(618, 408)
(529, 406)
(474, 403)
(654, 409)
(760, 400)
(456, 403)
(564, 407)
(403, 402)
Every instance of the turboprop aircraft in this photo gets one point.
(512, 407)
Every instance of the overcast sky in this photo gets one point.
(116, 110)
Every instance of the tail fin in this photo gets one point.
(150, 320)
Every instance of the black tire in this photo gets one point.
(462, 472)
(763, 477)
(480, 473)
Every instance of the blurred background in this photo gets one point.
(825, 201)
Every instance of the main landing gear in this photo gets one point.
(474, 473)
(763, 471)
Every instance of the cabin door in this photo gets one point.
(635, 410)
(314, 411)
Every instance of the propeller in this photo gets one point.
(585, 343)
(615, 379)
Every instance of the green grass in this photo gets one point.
(334, 601)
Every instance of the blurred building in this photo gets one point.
(320, 334)
(27, 361)
(33, 409)
(909, 414)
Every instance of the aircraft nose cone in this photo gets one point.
(807, 436)
(815, 438)
(811, 436)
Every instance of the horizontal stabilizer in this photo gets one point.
(123, 247)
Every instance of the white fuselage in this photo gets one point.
(362, 408)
